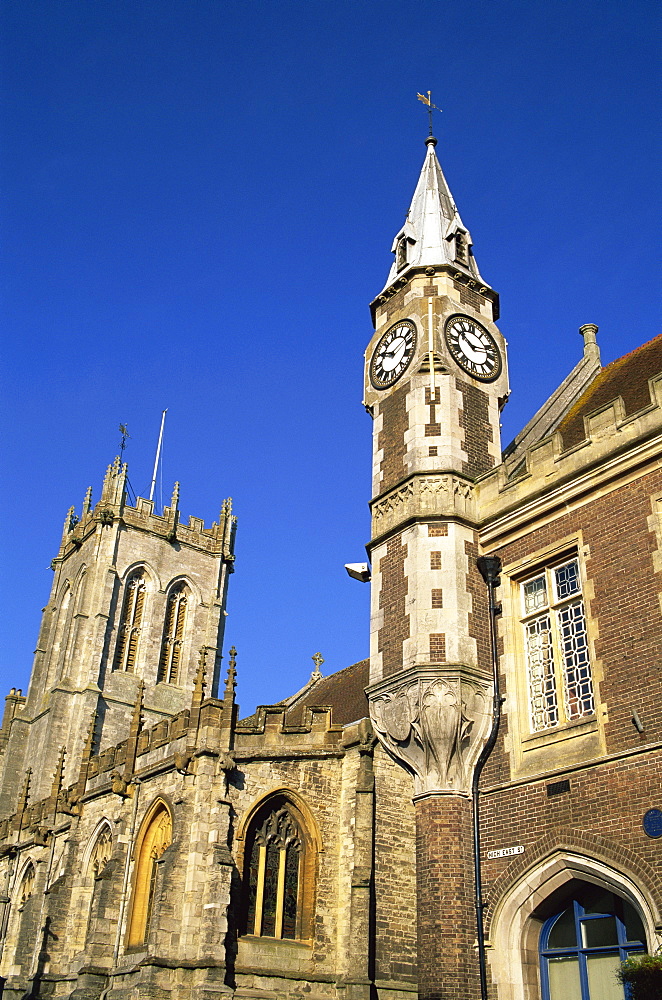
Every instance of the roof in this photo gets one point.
(626, 377)
(342, 692)
(432, 222)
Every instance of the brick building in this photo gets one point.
(154, 844)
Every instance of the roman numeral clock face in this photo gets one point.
(473, 348)
(393, 354)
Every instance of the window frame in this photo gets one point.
(310, 848)
(150, 846)
(581, 951)
(561, 644)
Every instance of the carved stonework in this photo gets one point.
(434, 720)
(423, 495)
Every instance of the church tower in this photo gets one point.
(137, 599)
(435, 381)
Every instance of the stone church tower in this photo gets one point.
(135, 597)
(435, 382)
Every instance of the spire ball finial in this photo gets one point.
(430, 141)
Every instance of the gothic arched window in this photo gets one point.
(130, 622)
(173, 633)
(279, 873)
(583, 945)
(154, 837)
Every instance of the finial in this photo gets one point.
(87, 502)
(226, 507)
(201, 673)
(430, 141)
(174, 503)
(230, 683)
(318, 660)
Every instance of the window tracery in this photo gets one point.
(130, 623)
(278, 873)
(173, 633)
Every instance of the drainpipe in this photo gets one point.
(489, 568)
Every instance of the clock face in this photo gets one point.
(473, 348)
(393, 353)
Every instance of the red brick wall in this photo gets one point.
(600, 816)
(474, 419)
(395, 421)
(625, 607)
(392, 601)
(448, 968)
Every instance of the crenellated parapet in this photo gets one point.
(113, 508)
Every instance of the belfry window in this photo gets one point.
(173, 633)
(461, 248)
(277, 872)
(581, 947)
(401, 253)
(556, 639)
(155, 836)
(130, 622)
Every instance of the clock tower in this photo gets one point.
(436, 379)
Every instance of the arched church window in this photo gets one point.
(101, 852)
(278, 873)
(582, 946)
(173, 633)
(154, 837)
(130, 622)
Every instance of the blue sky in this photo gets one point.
(198, 204)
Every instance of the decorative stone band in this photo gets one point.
(445, 495)
(434, 721)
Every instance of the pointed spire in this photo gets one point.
(198, 690)
(56, 787)
(174, 503)
(87, 502)
(433, 233)
(135, 728)
(231, 683)
(70, 522)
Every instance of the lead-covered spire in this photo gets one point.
(433, 233)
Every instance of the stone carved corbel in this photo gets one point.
(434, 721)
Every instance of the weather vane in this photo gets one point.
(125, 434)
(430, 106)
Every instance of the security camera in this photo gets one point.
(358, 571)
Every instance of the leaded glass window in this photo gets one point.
(557, 652)
(273, 874)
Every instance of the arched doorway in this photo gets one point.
(583, 944)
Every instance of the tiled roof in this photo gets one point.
(626, 377)
(343, 692)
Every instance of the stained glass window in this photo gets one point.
(273, 896)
